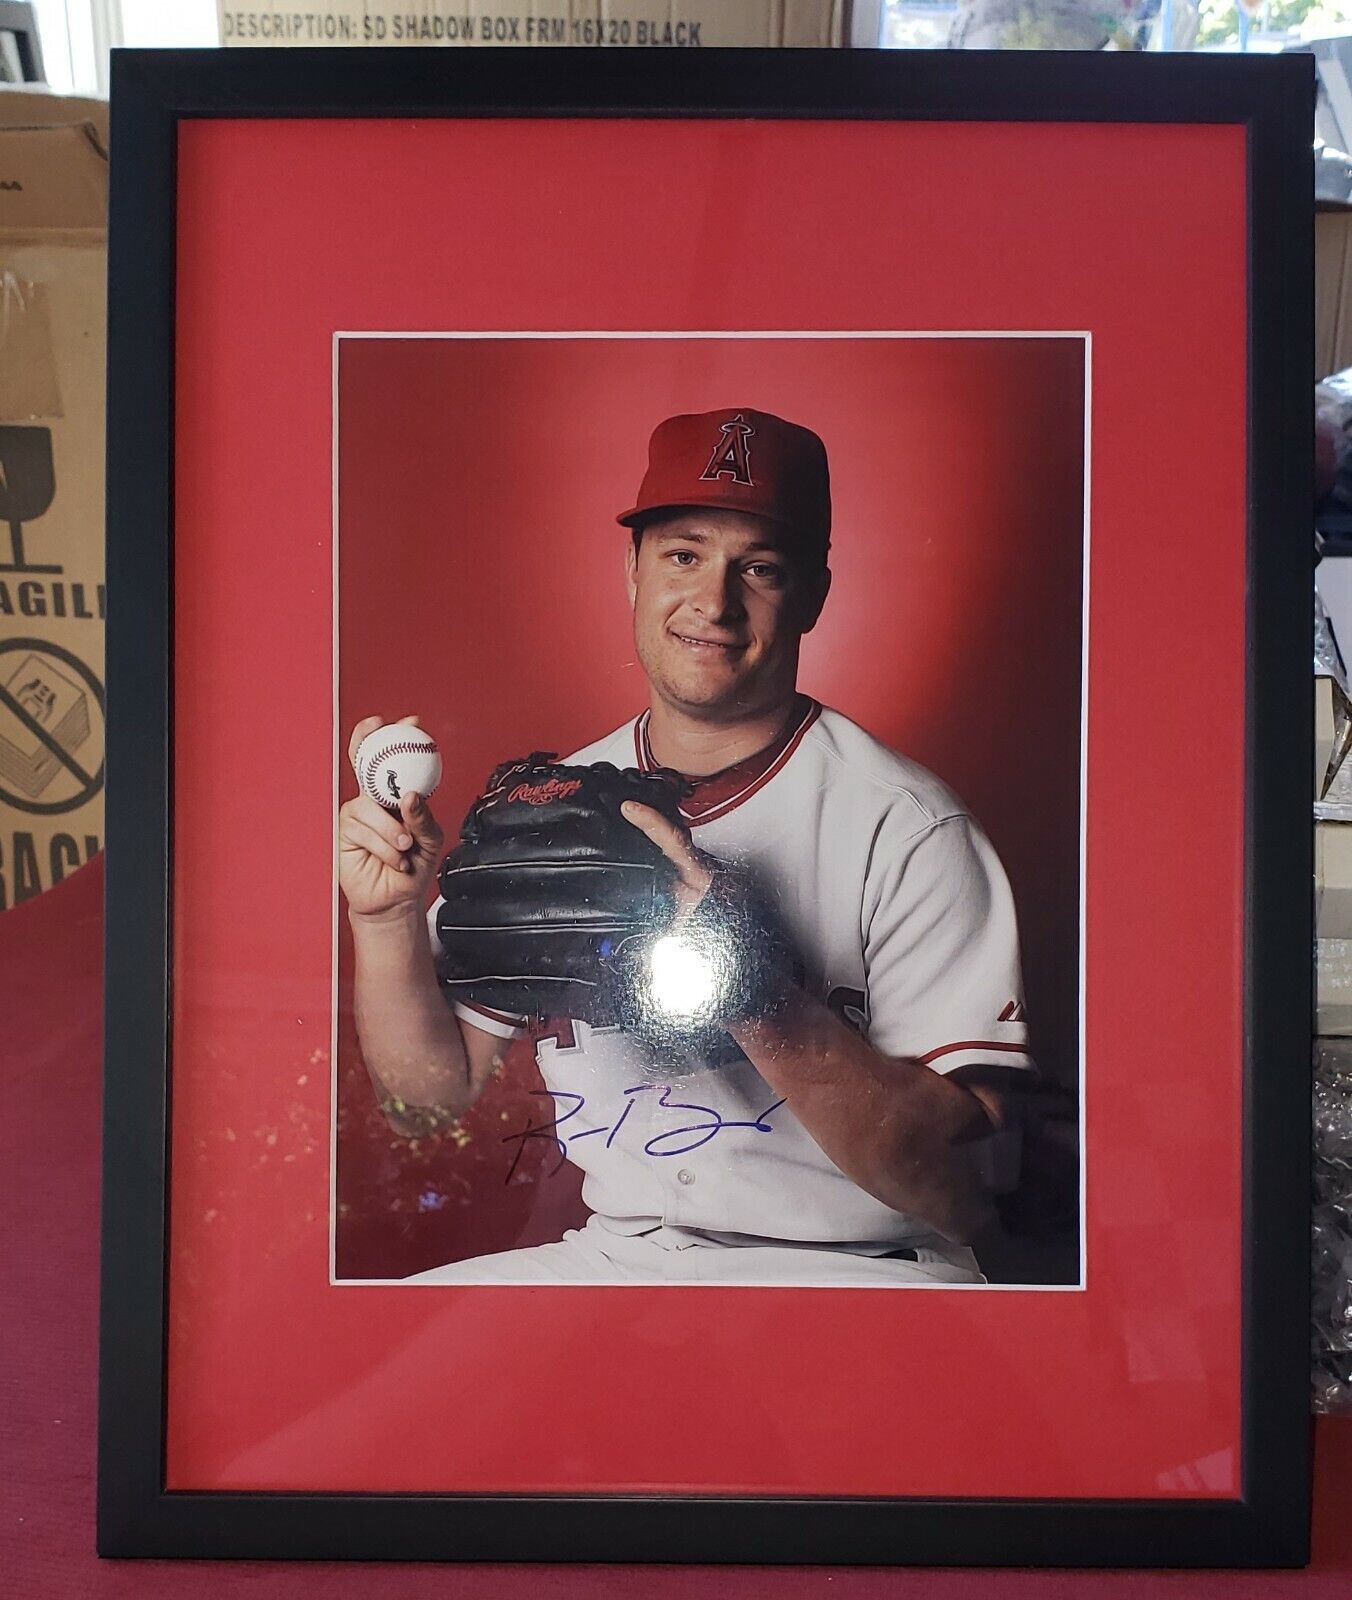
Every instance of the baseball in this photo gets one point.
(394, 759)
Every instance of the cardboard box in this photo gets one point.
(1332, 744)
(1325, 730)
(1332, 738)
(53, 270)
(674, 23)
(1332, 290)
(26, 105)
(1333, 880)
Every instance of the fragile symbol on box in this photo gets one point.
(27, 486)
(54, 703)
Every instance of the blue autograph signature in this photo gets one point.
(708, 1125)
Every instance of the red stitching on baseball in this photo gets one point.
(403, 748)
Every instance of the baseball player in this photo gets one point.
(856, 1133)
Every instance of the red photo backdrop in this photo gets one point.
(480, 581)
(280, 1379)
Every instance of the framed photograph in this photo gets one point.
(708, 849)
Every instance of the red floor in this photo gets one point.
(49, 1181)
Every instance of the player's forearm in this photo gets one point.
(901, 1131)
(409, 1037)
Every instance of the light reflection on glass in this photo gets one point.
(681, 980)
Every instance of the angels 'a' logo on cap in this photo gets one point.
(732, 454)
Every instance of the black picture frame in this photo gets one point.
(1272, 99)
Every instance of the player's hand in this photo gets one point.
(385, 862)
(694, 870)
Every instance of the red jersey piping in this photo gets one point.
(643, 752)
(971, 1044)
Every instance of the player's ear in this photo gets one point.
(631, 569)
(816, 587)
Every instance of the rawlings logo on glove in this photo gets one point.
(540, 794)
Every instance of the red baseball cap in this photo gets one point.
(742, 460)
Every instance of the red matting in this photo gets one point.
(289, 231)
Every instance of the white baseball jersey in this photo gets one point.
(903, 916)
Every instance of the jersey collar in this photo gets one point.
(714, 796)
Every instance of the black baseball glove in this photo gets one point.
(548, 886)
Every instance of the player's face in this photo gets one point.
(720, 605)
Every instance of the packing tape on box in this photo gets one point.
(28, 383)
